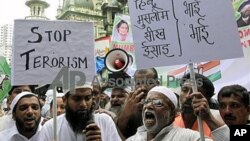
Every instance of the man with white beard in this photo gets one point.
(118, 97)
(159, 114)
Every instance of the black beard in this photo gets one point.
(78, 119)
(22, 129)
(185, 109)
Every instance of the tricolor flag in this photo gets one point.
(209, 69)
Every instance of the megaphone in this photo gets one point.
(116, 60)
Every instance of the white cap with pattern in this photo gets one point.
(17, 98)
(167, 92)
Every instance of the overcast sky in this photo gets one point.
(16, 9)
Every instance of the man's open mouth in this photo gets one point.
(149, 118)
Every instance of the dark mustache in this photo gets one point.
(188, 102)
(185, 108)
(29, 118)
(116, 104)
(229, 117)
(80, 112)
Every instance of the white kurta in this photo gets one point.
(12, 134)
(179, 134)
(6, 122)
(65, 132)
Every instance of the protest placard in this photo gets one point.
(42, 48)
(178, 32)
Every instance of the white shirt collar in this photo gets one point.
(14, 132)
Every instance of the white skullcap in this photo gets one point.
(17, 98)
(108, 92)
(49, 95)
(59, 94)
(49, 92)
(86, 85)
(126, 89)
(167, 92)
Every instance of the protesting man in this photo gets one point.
(26, 111)
(79, 123)
(234, 105)
(130, 117)
(159, 114)
(6, 121)
(118, 97)
(187, 118)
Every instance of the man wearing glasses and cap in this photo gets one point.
(79, 123)
(159, 114)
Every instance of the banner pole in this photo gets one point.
(194, 88)
(54, 114)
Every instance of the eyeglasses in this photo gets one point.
(155, 102)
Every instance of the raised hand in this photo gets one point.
(200, 105)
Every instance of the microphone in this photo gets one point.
(88, 122)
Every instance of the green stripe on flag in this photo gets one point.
(215, 76)
(174, 83)
(212, 77)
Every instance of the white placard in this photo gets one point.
(41, 48)
(183, 31)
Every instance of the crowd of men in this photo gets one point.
(148, 112)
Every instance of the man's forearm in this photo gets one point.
(213, 123)
(122, 122)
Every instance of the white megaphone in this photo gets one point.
(116, 61)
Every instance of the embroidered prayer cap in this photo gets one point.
(167, 92)
(85, 85)
(17, 98)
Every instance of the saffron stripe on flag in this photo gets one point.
(209, 65)
(177, 71)
(209, 69)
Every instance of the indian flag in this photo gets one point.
(174, 77)
(209, 69)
